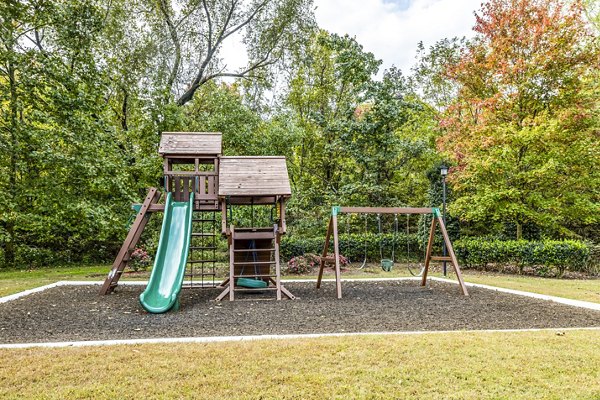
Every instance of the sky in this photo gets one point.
(391, 29)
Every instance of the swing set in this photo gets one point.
(386, 263)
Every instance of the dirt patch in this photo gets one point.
(78, 313)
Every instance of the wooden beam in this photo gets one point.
(336, 251)
(450, 251)
(429, 251)
(325, 250)
(133, 236)
(441, 258)
(231, 266)
(277, 265)
(386, 210)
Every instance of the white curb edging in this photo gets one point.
(219, 339)
(556, 299)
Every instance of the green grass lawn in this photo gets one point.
(458, 365)
(578, 289)
(461, 365)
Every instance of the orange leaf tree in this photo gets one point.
(523, 129)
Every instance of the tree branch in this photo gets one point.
(175, 38)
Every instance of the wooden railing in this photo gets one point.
(203, 184)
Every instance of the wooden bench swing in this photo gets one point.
(332, 230)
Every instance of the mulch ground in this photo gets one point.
(73, 313)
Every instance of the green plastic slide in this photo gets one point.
(162, 292)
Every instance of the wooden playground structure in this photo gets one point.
(202, 183)
(195, 168)
(332, 230)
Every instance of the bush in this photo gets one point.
(543, 256)
(593, 266)
(307, 263)
(139, 260)
(353, 246)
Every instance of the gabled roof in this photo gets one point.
(190, 143)
(253, 176)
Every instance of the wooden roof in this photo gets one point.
(190, 143)
(253, 176)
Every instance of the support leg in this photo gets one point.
(429, 250)
(325, 250)
(277, 265)
(450, 251)
(336, 252)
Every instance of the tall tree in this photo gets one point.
(194, 32)
(522, 129)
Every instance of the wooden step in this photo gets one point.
(255, 276)
(203, 234)
(253, 235)
(251, 250)
(254, 263)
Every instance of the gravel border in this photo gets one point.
(78, 313)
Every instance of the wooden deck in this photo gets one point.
(253, 176)
(192, 143)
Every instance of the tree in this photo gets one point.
(193, 35)
(429, 76)
(522, 127)
(62, 173)
(323, 95)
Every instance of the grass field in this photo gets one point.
(515, 365)
(458, 365)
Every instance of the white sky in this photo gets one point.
(391, 29)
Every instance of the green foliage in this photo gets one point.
(542, 256)
(523, 127)
(352, 246)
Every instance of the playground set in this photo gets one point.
(200, 183)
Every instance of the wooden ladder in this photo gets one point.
(130, 242)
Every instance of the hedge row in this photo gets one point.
(353, 246)
(548, 257)
(542, 256)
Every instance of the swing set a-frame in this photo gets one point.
(332, 230)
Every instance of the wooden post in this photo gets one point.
(325, 250)
(135, 232)
(450, 251)
(231, 265)
(429, 251)
(277, 266)
(336, 252)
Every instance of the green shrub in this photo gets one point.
(353, 246)
(545, 257)
(308, 263)
(593, 265)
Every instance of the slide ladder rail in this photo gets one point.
(135, 232)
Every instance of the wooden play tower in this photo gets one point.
(193, 164)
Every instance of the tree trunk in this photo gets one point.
(9, 248)
(519, 231)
